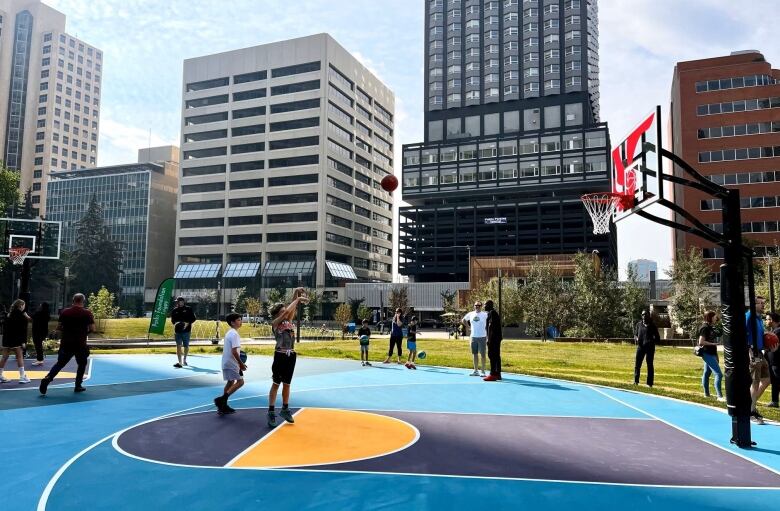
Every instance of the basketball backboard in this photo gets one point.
(41, 237)
(637, 165)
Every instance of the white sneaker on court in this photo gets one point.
(483, 373)
(475, 373)
(3, 379)
(24, 379)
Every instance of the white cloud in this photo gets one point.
(119, 143)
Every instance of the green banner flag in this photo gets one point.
(161, 305)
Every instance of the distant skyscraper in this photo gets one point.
(512, 136)
(643, 267)
(139, 208)
(49, 95)
(284, 146)
(725, 118)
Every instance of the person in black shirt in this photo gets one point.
(709, 354)
(646, 336)
(773, 357)
(494, 338)
(182, 318)
(364, 334)
(40, 329)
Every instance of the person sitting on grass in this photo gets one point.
(232, 366)
(411, 343)
(284, 355)
(364, 334)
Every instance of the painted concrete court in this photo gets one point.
(146, 436)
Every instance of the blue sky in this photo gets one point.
(145, 41)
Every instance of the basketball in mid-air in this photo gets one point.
(771, 341)
(389, 183)
(422, 355)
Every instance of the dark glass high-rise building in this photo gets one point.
(512, 136)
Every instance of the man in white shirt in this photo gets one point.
(477, 320)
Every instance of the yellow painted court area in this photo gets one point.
(321, 436)
(36, 375)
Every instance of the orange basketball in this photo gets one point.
(770, 341)
(389, 183)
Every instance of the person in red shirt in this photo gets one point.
(75, 323)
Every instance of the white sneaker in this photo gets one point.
(475, 373)
(722, 399)
(483, 374)
(38, 363)
(363, 364)
(3, 379)
(24, 379)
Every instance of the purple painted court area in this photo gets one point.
(629, 451)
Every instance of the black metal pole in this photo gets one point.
(499, 291)
(771, 288)
(735, 349)
(24, 284)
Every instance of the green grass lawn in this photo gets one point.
(677, 370)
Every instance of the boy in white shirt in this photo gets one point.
(232, 366)
(477, 319)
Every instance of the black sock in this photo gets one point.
(225, 396)
(271, 408)
(284, 406)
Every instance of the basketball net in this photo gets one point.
(601, 207)
(17, 255)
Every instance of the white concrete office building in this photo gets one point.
(283, 149)
(49, 96)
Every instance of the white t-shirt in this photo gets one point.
(232, 340)
(478, 323)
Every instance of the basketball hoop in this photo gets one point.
(601, 206)
(17, 255)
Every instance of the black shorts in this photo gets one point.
(283, 367)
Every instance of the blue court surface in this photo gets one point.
(147, 436)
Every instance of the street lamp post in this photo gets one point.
(65, 288)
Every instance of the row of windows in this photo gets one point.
(251, 148)
(220, 221)
(252, 94)
(46, 61)
(744, 203)
(754, 128)
(734, 83)
(750, 153)
(742, 105)
(221, 169)
(743, 178)
(254, 76)
(506, 148)
(751, 227)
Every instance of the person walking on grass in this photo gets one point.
(14, 337)
(40, 330)
(773, 358)
(411, 343)
(494, 338)
(232, 366)
(75, 323)
(284, 355)
(396, 336)
(364, 334)
(646, 337)
(759, 368)
(182, 318)
(709, 353)
(477, 320)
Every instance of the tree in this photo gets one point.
(239, 302)
(354, 306)
(205, 298)
(451, 314)
(511, 298)
(690, 276)
(761, 274)
(399, 299)
(596, 299)
(253, 308)
(9, 188)
(312, 309)
(634, 299)
(97, 258)
(545, 297)
(276, 295)
(102, 306)
(363, 312)
(343, 314)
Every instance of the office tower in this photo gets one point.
(284, 146)
(512, 136)
(139, 208)
(49, 96)
(725, 120)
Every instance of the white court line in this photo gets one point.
(735, 453)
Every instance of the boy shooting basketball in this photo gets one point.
(284, 355)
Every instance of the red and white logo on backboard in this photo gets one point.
(623, 176)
